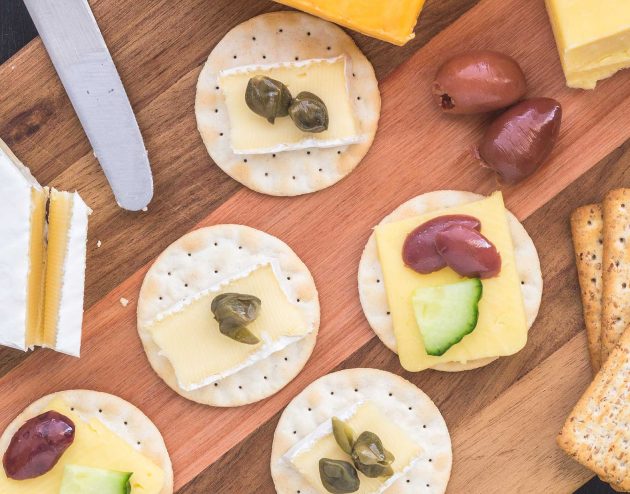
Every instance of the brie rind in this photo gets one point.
(16, 190)
(268, 344)
(252, 134)
(65, 318)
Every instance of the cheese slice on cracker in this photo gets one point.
(181, 337)
(371, 279)
(308, 54)
(110, 434)
(405, 419)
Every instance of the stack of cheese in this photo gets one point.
(42, 264)
(593, 38)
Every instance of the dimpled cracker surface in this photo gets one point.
(274, 38)
(616, 263)
(372, 289)
(597, 433)
(397, 398)
(118, 415)
(202, 259)
(587, 233)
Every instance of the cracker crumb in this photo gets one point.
(145, 209)
(98, 244)
(124, 302)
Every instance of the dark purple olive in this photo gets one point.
(37, 446)
(419, 252)
(520, 140)
(468, 252)
(478, 81)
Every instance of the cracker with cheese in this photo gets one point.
(525, 270)
(189, 337)
(308, 56)
(406, 421)
(111, 436)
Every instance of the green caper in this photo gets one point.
(344, 435)
(268, 98)
(338, 477)
(368, 449)
(375, 471)
(309, 113)
(233, 312)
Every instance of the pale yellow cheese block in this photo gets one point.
(94, 446)
(502, 326)
(37, 264)
(366, 417)
(200, 355)
(326, 78)
(593, 38)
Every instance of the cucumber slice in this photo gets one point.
(85, 480)
(447, 313)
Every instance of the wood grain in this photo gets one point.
(159, 50)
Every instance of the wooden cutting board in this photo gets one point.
(503, 418)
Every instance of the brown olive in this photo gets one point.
(344, 435)
(520, 140)
(419, 252)
(233, 312)
(468, 252)
(38, 445)
(478, 81)
(268, 98)
(338, 477)
(309, 113)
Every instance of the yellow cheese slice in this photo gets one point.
(37, 262)
(94, 446)
(367, 417)
(593, 38)
(502, 326)
(200, 354)
(253, 134)
(389, 20)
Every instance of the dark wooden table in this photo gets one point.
(16, 30)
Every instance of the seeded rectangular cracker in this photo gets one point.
(587, 229)
(597, 433)
(616, 273)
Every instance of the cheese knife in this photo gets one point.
(78, 51)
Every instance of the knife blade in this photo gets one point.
(82, 60)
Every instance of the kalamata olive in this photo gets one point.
(37, 446)
(419, 252)
(468, 252)
(478, 81)
(520, 140)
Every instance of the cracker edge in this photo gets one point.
(569, 442)
(591, 295)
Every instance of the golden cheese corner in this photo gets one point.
(389, 21)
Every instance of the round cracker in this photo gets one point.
(118, 415)
(372, 289)
(204, 258)
(406, 405)
(281, 37)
